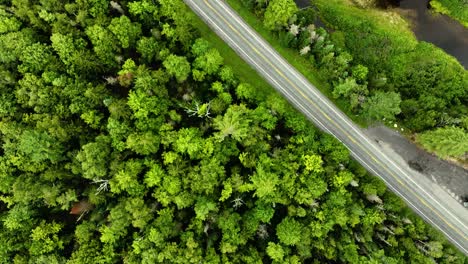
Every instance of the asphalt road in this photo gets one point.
(433, 204)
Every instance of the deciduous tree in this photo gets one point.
(178, 67)
(382, 105)
(278, 13)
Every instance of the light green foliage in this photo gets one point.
(163, 228)
(457, 9)
(278, 13)
(382, 105)
(39, 147)
(289, 231)
(348, 88)
(94, 7)
(235, 123)
(446, 141)
(73, 53)
(177, 66)
(275, 251)
(334, 67)
(154, 175)
(360, 72)
(182, 28)
(36, 57)
(200, 47)
(119, 220)
(342, 179)
(92, 118)
(125, 31)
(265, 118)
(335, 151)
(246, 91)
(209, 173)
(189, 142)
(143, 143)
(64, 45)
(126, 178)
(227, 75)
(141, 214)
(207, 59)
(203, 207)
(94, 158)
(104, 44)
(13, 45)
(313, 163)
(32, 93)
(8, 23)
(118, 132)
(148, 47)
(45, 239)
(18, 217)
(127, 73)
(125, 138)
(145, 9)
(264, 183)
(172, 8)
(231, 232)
(144, 105)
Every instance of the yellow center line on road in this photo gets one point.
(334, 123)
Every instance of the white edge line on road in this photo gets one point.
(301, 106)
(313, 90)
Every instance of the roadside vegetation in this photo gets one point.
(372, 62)
(301, 63)
(457, 9)
(129, 134)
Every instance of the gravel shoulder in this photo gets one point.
(452, 178)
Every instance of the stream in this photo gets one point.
(440, 30)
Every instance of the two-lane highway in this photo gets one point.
(424, 197)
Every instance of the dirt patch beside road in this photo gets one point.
(451, 178)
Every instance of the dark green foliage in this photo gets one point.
(377, 66)
(435, 83)
(124, 138)
(431, 83)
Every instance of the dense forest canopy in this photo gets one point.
(433, 86)
(372, 62)
(126, 138)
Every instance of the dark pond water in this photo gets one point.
(440, 30)
(302, 3)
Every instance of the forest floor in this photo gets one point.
(452, 178)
